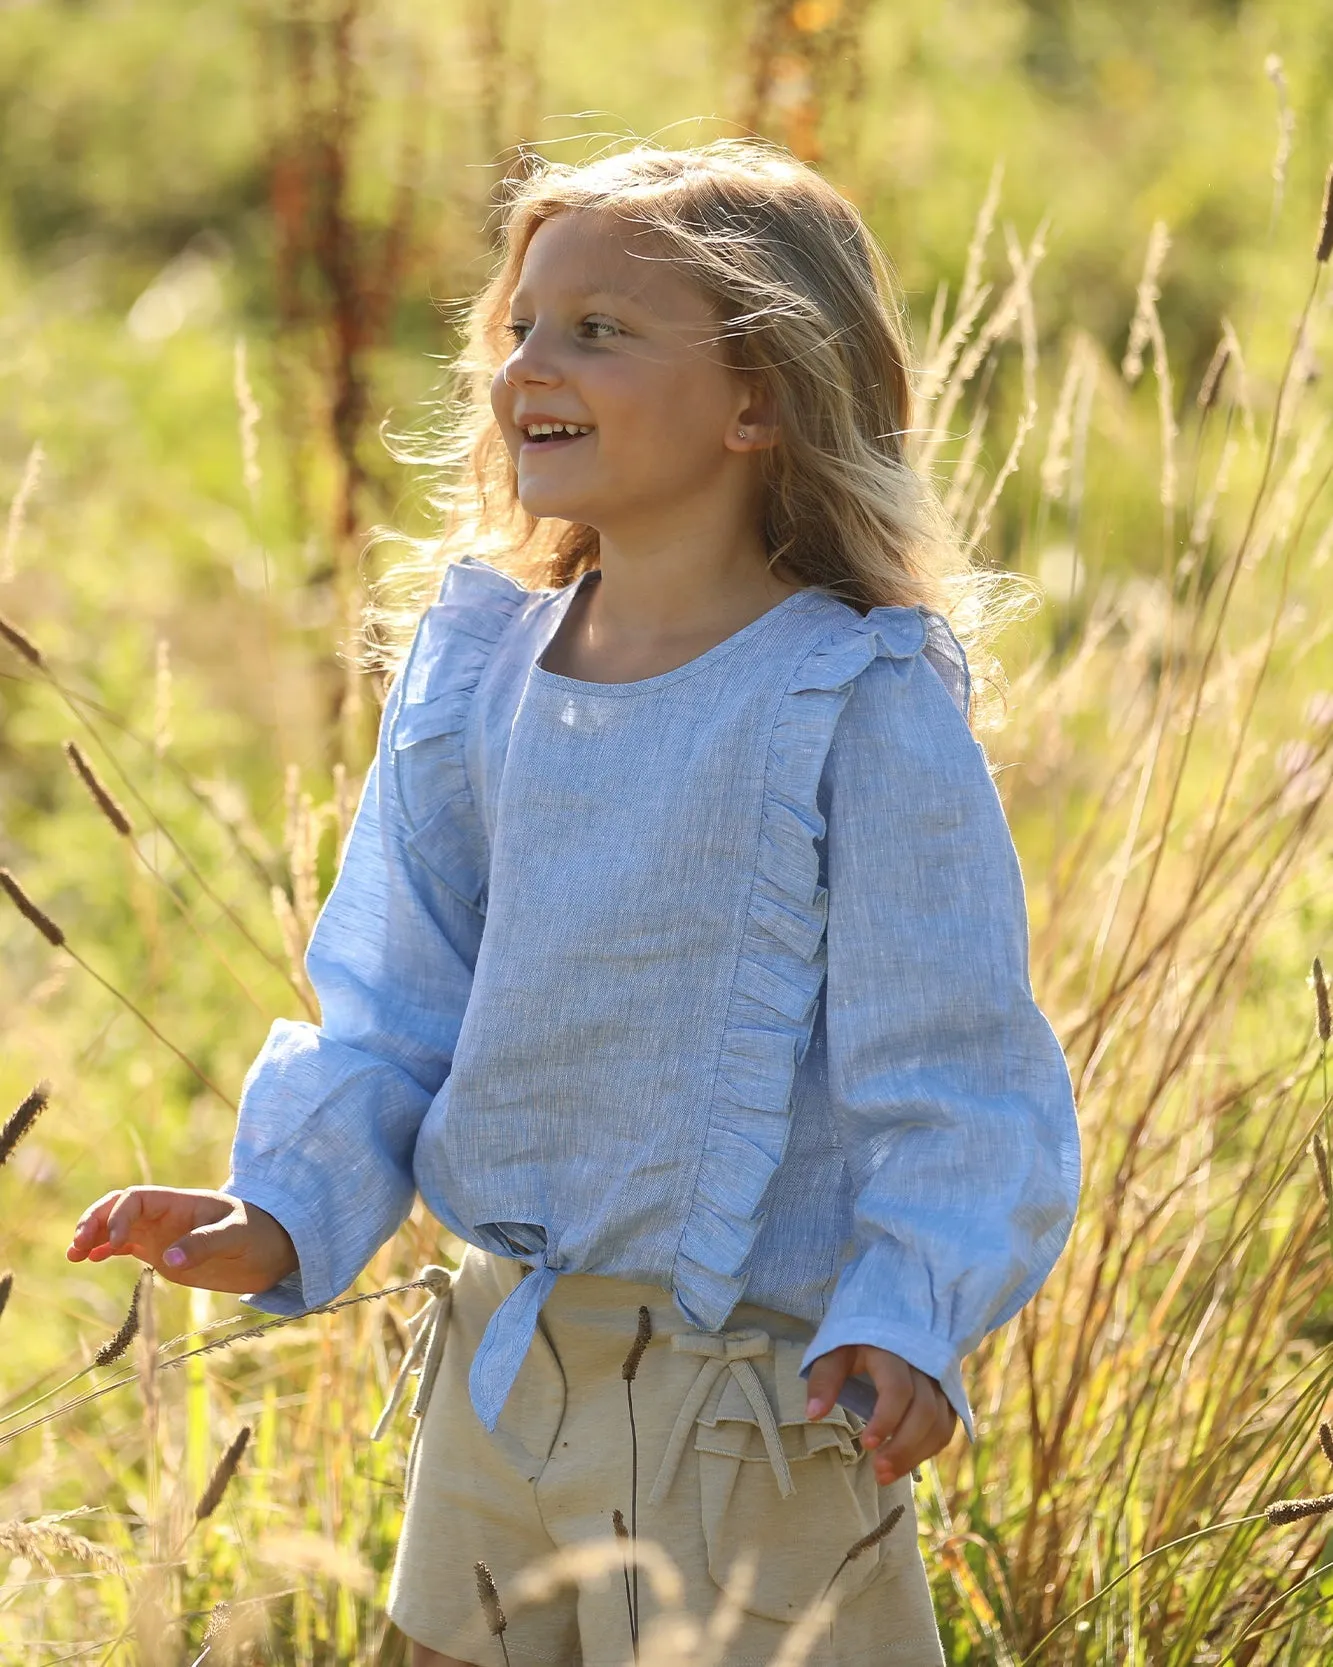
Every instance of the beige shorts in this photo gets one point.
(728, 1468)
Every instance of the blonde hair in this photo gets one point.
(808, 303)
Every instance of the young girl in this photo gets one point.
(678, 955)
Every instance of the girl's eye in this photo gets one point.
(598, 328)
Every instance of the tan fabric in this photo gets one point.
(726, 1462)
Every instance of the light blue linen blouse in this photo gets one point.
(716, 980)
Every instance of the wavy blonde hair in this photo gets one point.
(809, 303)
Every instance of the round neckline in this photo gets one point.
(688, 668)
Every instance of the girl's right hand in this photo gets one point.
(189, 1235)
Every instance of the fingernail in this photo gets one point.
(174, 1258)
(813, 1407)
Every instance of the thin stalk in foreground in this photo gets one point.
(31, 653)
(57, 939)
(1157, 1550)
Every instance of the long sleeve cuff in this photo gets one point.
(309, 1285)
(929, 1354)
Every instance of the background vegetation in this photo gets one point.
(225, 234)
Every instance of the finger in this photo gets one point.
(155, 1215)
(894, 1390)
(215, 1241)
(923, 1431)
(93, 1221)
(826, 1378)
(99, 1207)
(130, 1246)
(125, 1214)
(137, 1223)
(90, 1228)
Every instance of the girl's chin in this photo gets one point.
(555, 506)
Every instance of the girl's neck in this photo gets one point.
(678, 585)
(646, 615)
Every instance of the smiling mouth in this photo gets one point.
(550, 436)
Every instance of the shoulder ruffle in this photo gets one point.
(898, 634)
(451, 647)
(449, 652)
(782, 956)
(946, 654)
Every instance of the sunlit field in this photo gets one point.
(231, 242)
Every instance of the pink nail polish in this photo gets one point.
(174, 1258)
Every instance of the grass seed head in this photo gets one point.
(1321, 1168)
(490, 1600)
(24, 645)
(642, 1338)
(880, 1532)
(29, 910)
(218, 1482)
(18, 1124)
(33, 1539)
(1293, 1510)
(115, 1346)
(1323, 1017)
(1326, 1439)
(18, 509)
(248, 409)
(618, 1523)
(1212, 377)
(6, 1286)
(1324, 247)
(78, 762)
(219, 1623)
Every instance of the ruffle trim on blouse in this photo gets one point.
(946, 654)
(782, 956)
(453, 643)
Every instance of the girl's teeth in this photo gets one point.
(536, 429)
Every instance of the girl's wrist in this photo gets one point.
(284, 1248)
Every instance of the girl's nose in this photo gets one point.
(529, 363)
(520, 372)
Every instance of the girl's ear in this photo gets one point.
(755, 427)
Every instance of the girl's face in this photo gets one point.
(619, 346)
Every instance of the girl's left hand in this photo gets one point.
(912, 1419)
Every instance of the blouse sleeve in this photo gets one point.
(948, 1087)
(329, 1113)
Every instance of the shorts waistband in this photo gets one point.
(730, 1351)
